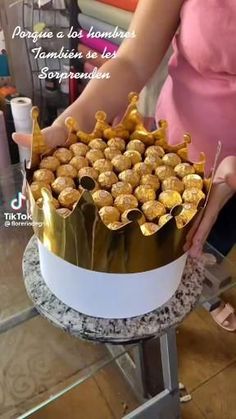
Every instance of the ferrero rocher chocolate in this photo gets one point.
(79, 149)
(187, 213)
(125, 202)
(68, 197)
(134, 156)
(153, 210)
(171, 159)
(163, 172)
(143, 168)
(121, 188)
(67, 170)
(173, 183)
(149, 228)
(36, 188)
(125, 217)
(64, 212)
(88, 171)
(153, 161)
(130, 176)
(63, 155)
(109, 214)
(145, 193)
(61, 183)
(50, 163)
(43, 175)
(121, 163)
(154, 150)
(102, 198)
(193, 195)
(136, 145)
(164, 219)
(96, 188)
(78, 162)
(54, 201)
(115, 225)
(117, 143)
(94, 155)
(151, 180)
(170, 198)
(98, 144)
(103, 165)
(111, 152)
(107, 179)
(193, 181)
(184, 169)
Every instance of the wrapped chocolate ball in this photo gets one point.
(88, 171)
(111, 152)
(94, 155)
(170, 198)
(143, 168)
(103, 165)
(67, 170)
(193, 195)
(64, 212)
(102, 198)
(54, 201)
(36, 188)
(117, 143)
(79, 149)
(164, 219)
(116, 225)
(134, 156)
(151, 180)
(121, 163)
(121, 188)
(171, 159)
(61, 183)
(109, 214)
(154, 150)
(125, 217)
(184, 169)
(153, 161)
(107, 179)
(78, 162)
(149, 228)
(193, 181)
(63, 155)
(187, 213)
(50, 163)
(153, 210)
(136, 145)
(125, 202)
(130, 176)
(43, 175)
(98, 144)
(68, 197)
(163, 172)
(145, 193)
(173, 183)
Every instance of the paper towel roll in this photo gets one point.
(20, 108)
(4, 149)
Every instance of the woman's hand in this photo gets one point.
(54, 135)
(223, 188)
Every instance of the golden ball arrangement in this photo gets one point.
(128, 175)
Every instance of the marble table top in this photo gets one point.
(133, 329)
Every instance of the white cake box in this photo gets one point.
(110, 295)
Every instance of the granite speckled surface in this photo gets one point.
(107, 330)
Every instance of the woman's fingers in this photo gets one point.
(53, 136)
(202, 233)
(22, 139)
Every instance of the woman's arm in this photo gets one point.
(155, 23)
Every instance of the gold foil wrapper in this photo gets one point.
(170, 199)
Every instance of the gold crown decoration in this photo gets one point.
(82, 238)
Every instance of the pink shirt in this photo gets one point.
(199, 95)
